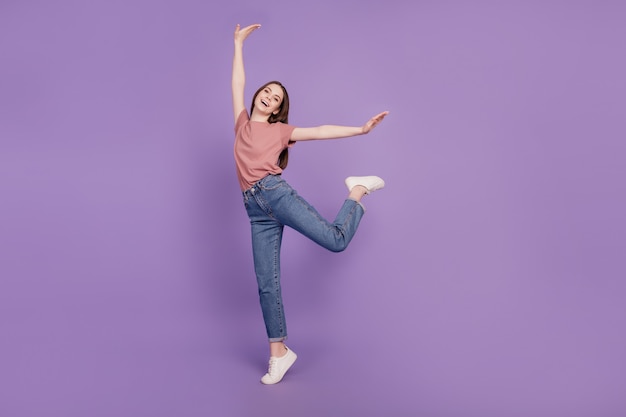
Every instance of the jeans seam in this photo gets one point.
(348, 220)
(277, 288)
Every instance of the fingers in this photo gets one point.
(247, 29)
(255, 25)
(379, 117)
(244, 32)
(252, 27)
(374, 121)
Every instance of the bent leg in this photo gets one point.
(295, 212)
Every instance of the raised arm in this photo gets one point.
(334, 131)
(239, 75)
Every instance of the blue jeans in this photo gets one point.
(272, 204)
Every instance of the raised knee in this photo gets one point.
(339, 247)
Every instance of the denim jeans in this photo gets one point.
(272, 204)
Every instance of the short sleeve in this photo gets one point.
(285, 134)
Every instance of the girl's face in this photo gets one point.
(268, 101)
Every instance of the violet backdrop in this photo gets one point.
(487, 278)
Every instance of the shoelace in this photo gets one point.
(272, 367)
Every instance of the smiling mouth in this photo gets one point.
(264, 103)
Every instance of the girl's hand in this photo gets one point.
(242, 34)
(373, 122)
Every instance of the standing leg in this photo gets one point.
(266, 242)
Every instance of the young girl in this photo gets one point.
(262, 140)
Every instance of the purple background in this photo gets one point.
(487, 279)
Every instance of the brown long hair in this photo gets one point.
(282, 116)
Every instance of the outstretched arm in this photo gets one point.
(334, 131)
(239, 75)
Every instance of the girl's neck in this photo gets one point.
(256, 117)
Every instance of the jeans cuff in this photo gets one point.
(278, 339)
(359, 203)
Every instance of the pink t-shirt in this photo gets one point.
(257, 147)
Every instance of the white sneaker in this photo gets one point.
(278, 367)
(371, 183)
